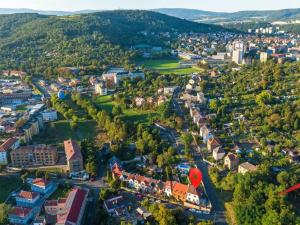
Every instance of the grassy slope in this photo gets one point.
(57, 132)
(8, 184)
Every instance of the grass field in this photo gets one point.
(168, 66)
(130, 115)
(57, 132)
(8, 185)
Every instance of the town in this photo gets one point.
(114, 144)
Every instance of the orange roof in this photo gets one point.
(28, 195)
(117, 171)
(40, 182)
(232, 157)
(179, 191)
(72, 150)
(214, 141)
(7, 144)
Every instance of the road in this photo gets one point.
(218, 207)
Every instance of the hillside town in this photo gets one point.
(115, 143)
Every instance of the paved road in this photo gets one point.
(218, 214)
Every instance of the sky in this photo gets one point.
(211, 5)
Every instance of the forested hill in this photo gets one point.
(38, 41)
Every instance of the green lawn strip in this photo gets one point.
(8, 185)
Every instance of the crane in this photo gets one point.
(293, 188)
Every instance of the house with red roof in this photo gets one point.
(43, 186)
(20, 215)
(213, 143)
(73, 155)
(9, 144)
(181, 192)
(28, 199)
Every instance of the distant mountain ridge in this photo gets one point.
(45, 12)
(222, 17)
(38, 42)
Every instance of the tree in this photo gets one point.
(263, 98)
(24, 177)
(187, 139)
(213, 104)
(4, 211)
(117, 110)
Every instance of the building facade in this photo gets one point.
(73, 156)
(34, 155)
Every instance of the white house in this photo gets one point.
(246, 167)
(192, 195)
(218, 153)
(100, 88)
(49, 115)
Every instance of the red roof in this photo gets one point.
(72, 149)
(40, 182)
(8, 144)
(28, 195)
(76, 205)
(20, 211)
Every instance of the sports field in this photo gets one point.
(168, 66)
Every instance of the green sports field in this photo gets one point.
(168, 66)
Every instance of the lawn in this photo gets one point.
(129, 115)
(61, 192)
(105, 103)
(168, 66)
(57, 132)
(8, 185)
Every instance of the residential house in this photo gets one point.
(200, 98)
(246, 167)
(20, 215)
(231, 161)
(139, 101)
(170, 90)
(73, 155)
(213, 143)
(205, 133)
(42, 186)
(218, 153)
(8, 145)
(27, 199)
(100, 88)
(115, 205)
(161, 99)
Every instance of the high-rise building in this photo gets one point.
(237, 56)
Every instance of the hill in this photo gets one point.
(42, 41)
(287, 15)
(43, 12)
